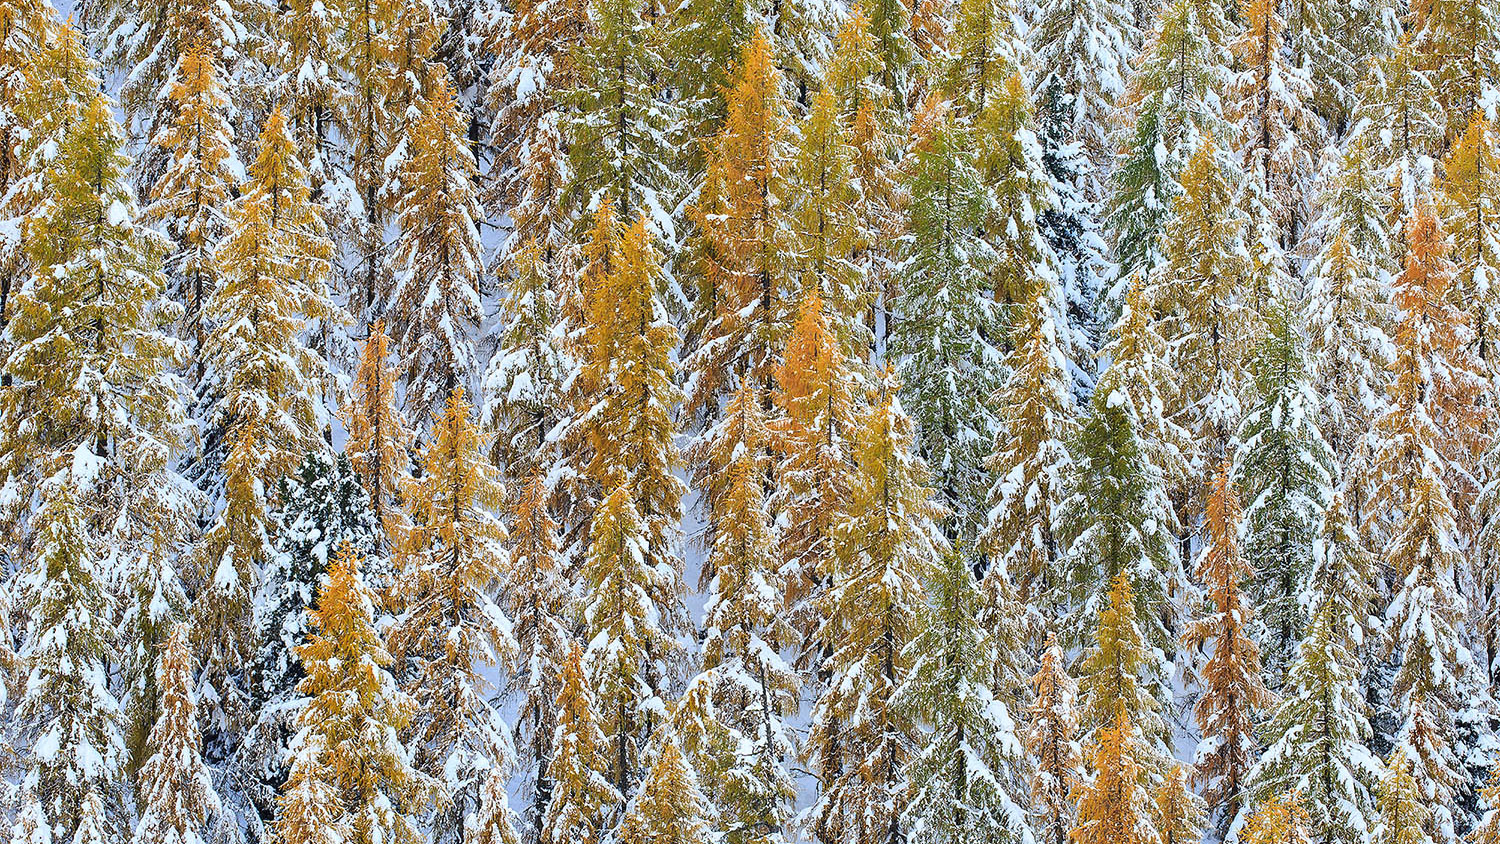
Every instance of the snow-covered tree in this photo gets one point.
(176, 790)
(379, 445)
(582, 801)
(1051, 737)
(887, 548)
(1114, 806)
(968, 783)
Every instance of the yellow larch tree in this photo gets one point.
(1233, 691)
(351, 777)
(1178, 811)
(176, 792)
(670, 808)
(267, 389)
(825, 224)
(190, 195)
(582, 800)
(1403, 813)
(886, 548)
(1279, 819)
(1471, 188)
(1109, 674)
(380, 441)
(743, 214)
(449, 627)
(433, 305)
(1114, 806)
(1051, 737)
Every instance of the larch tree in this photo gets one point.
(1404, 815)
(450, 627)
(1031, 460)
(744, 302)
(540, 602)
(433, 306)
(670, 807)
(750, 686)
(25, 27)
(1202, 290)
(176, 790)
(1398, 93)
(582, 801)
(1179, 812)
(1471, 188)
(1117, 520)
(266, 388)
(1413, 500)
(379, 444)
(1114, 806)
(982, 52)
(1277, 134)
(826, 218)
(617, 132)
(1458, 44)
(947, 319)
(1115, 680)
(203, 169)
(66, 715)
(1278, 819)
(886, 548)
(818, 397)
(968, 782)
(1286, 471)
(1233, 692)
(352, 779)
(1050, 736)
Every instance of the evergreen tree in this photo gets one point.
(351, 777)
(1173, 102)
(1233, 691)
(618, 144)
(1083, 51)
(1179, 812)
(670, 807)
(1403, 814)
(826, 206)
(886, 548)
(1471, 186)
(1051, 738)
(1286, 471)
(1031, 460)
(176, 788)
(1117, 683)
(947, 318)
(1457, 43)
(968, 782)
(66, 715)
(1279, 818)
(434, 306)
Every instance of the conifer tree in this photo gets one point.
(542, 607)
(450, 627)
(1113, 804)
(947, 317)
(1286, 471)
(968, 783)
(1486, 831)
(433, 305)
(1201, 290)
(817, 397)
(1031, 461)
(494, 822)
(583, 801)
(1277, 133)
(351, 779)
(1083, 51)
(826, 217)
(190, 195)
(176, 788)
(1051, 738)
(1457, 45)
(1398, 93)
(1403, 813)
(1233, 691)
(86, 372)
(1117, 520)
(742, 215)
(525, 384)
(266, 389)
(1116, 682)
(66, 714)
(983, 51)
(670, 807)
(379, 445)
(886, 548)
(1471, 186)
(618, 144)
(25, 27)
(1281, 819)
(1179, 812)
(751, 688)
(1173, 102)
